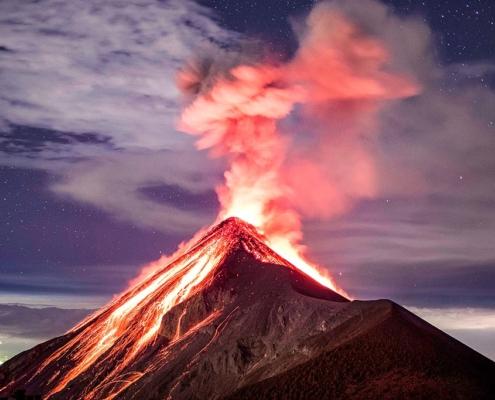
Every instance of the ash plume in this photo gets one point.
(332, 89)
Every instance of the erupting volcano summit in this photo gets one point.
(230, 318)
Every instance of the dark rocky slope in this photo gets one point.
(397, 356)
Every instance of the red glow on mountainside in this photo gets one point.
(128, 325)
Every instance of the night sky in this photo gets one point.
(96, 181)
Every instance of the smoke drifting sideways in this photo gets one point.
(333, 87)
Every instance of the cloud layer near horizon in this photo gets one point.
(474, 326)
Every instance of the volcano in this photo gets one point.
(231, 319)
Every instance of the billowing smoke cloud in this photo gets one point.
(346, 76)
(335, 84)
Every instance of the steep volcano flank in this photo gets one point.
(128, 338)
(247, 321)
(396, 355)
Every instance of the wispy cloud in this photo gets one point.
(115, 184)
(458, 318)
(22, 321)
(96, 83)
(108, 68)
(23, 327)
(473, 326)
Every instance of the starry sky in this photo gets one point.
(96, 181)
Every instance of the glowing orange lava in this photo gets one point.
(127, 326)
(132, 321)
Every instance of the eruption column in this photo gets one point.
(235, 113)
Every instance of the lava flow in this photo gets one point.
(112, 339)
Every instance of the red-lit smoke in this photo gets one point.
(337, 79)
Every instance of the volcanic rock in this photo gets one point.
(256, 328)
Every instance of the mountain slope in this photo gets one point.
(397, 356)
(252, 326)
